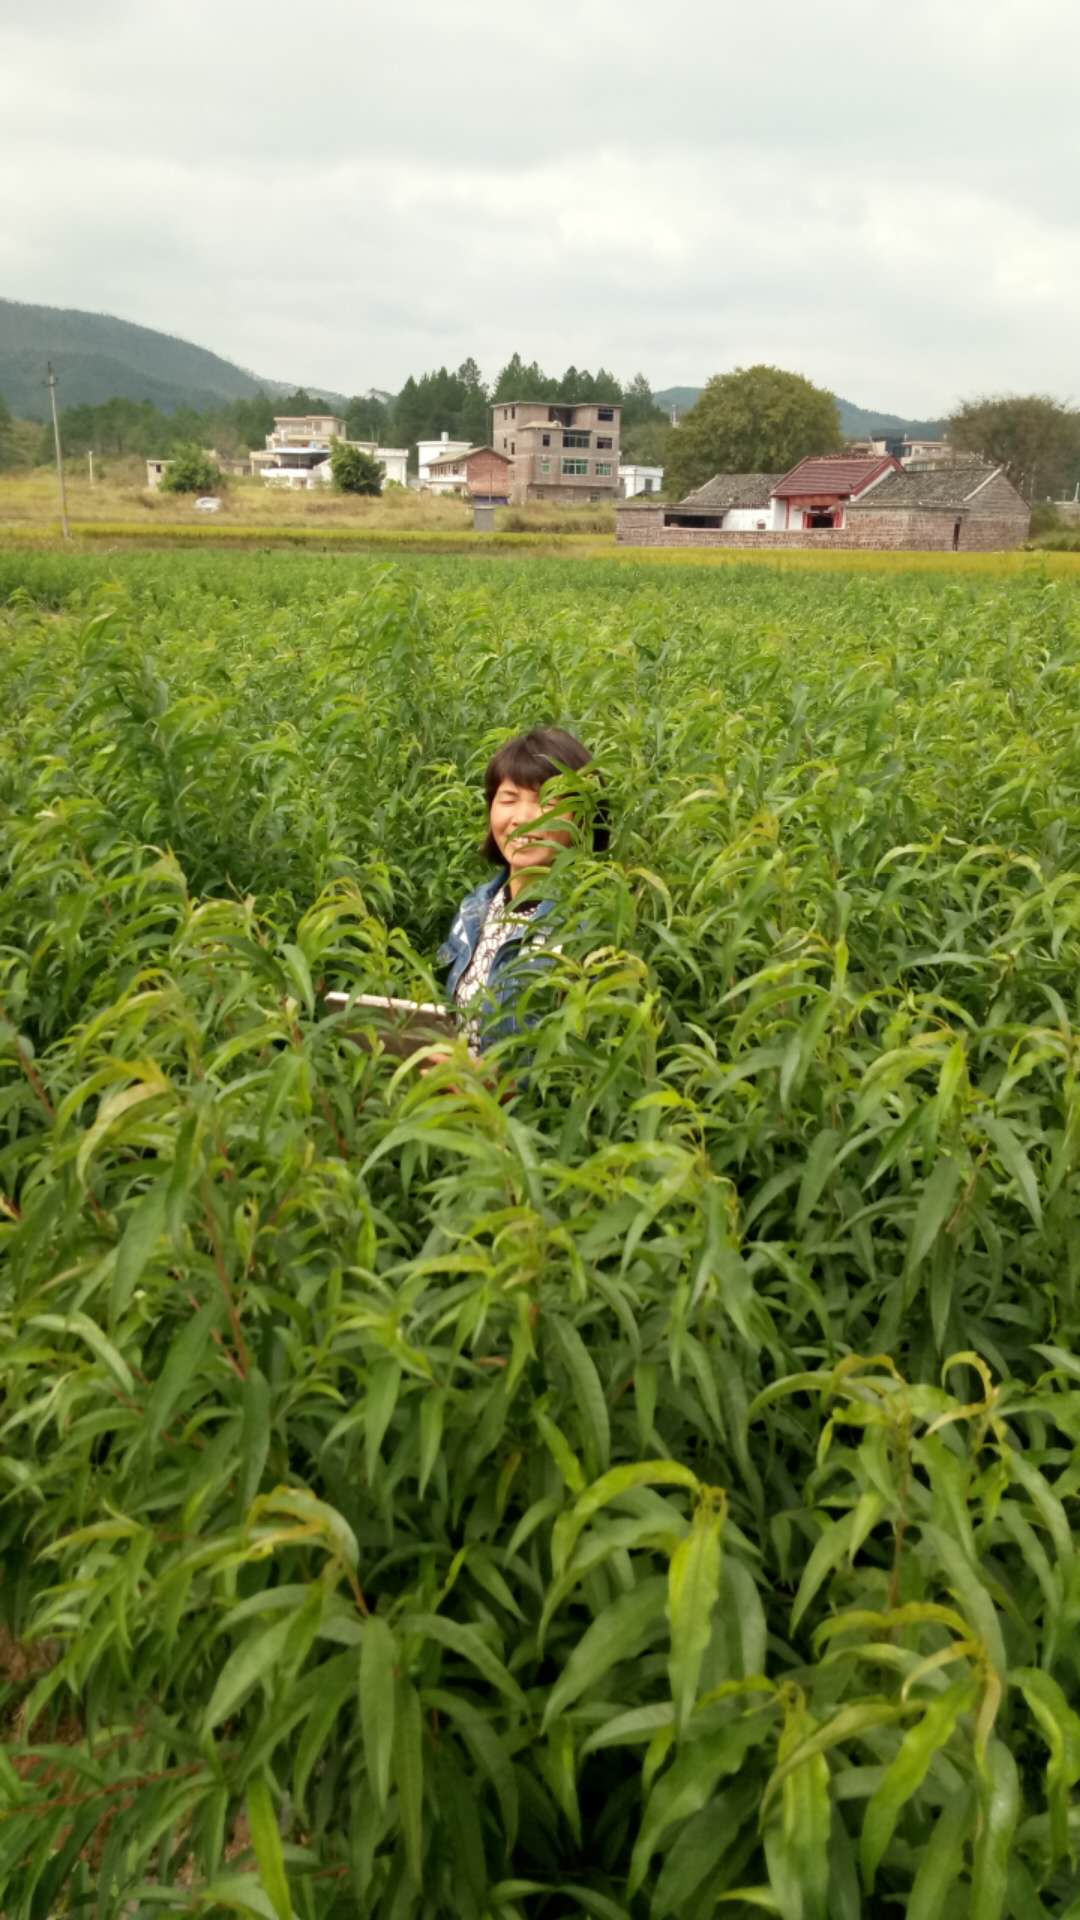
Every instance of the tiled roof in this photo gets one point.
(930, 487)
(733, 490)
(459, 459)
(842, 473)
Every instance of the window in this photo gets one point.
(513, 449)
(575, 466)
(575, 439)
(605, 413)
(546, 439)
(604, 442)
(603, 469)
(545, 466)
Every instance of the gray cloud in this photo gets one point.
(881, 197)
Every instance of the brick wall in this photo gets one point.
(486, 473)
(911, 531)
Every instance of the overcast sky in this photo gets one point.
(881, 196)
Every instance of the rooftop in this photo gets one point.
(942, 486)
(466, 453)
(733, 490)
(842, 473)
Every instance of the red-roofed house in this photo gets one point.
(816, 492)
(838, 500)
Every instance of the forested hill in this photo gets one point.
(855, 421)
(99, 358)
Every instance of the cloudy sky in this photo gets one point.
(881, 196)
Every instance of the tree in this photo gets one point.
(755, 420)
(1035, 438)
(366, 418)
(190, 470)
(647, 444)
(354, 470)
(474, 423)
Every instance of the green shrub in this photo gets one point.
(642, 1486)
(354, 470)
(191, 470)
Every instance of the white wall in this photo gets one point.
(429, 450)
(748, 519)
(635, 479)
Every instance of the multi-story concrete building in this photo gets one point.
(559, 452)
(435, 453)
(297, 452)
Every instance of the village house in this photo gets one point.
(297, 452)
(634, 479)
(838, 500)
(480, 474)
(428, 453)
(557, 451)
(910, 451)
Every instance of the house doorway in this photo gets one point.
(820, 517)
(956, 536)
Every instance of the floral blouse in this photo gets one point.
(502, 923)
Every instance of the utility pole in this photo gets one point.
(90, 458)
(51, 384)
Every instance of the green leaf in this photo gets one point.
(378, 1690)
(1060, 1728)
(384, 1380)
(182, 1361)
(819, 1164)
(933, 1892)
(693, 1590)
(619, 1633)
(254, 1435)
(612, 1486)
(250, 1662)
(935, 1205)
(828, 1553)
(81, 1325)
(145, 1227)
(999, 1810)
(266, 1840)
(906, 1773)
(409, 1776)
(1015, 1161)
(466, 1642)
(590, 1404)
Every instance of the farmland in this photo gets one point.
(643, 1483)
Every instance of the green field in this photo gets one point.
(644, 1486)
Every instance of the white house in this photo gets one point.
(634, 480)
(297, 452)
(430, 451)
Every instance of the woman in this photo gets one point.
(494, 920)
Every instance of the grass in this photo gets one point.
(640, 1480)
(120, 497)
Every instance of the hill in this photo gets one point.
(856, 421)
(99, 358)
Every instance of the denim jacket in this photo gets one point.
(504, 983)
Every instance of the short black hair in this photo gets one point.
(529, 760)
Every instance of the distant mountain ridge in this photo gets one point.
(856, 422)
(98, 357)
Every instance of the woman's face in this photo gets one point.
(518, 807)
